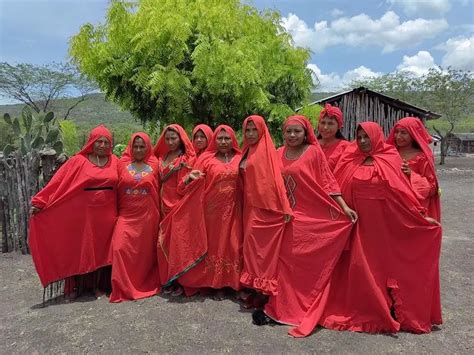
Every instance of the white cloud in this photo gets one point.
(414, 7)
(337, 13)
(418, 64)
(361, 30)
(459, 53)
(334, 82)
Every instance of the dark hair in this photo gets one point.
(339, 135)
(415, 144)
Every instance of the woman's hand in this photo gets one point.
(405, 168)
(433, 221)
(351, 214)
(194, 175)
(34, 210)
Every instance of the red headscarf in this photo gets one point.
(96, 133)
(264, 170)
(212, 145)
(418, 133)
(207, 132)
(386, 159)
(161, 149)
(303, 121)
(128, 153)
(333, 111)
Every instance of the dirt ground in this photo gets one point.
(199, 325)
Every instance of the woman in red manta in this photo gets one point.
(386, 280)
(176, 156)
(330, 137)
(73, 218)
(202, 135)
(315, 237)
(412, 141)
(220, 206)
(266, 209)
(134, 262)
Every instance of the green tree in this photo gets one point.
(185, 61)
(449, 92)
(39, 86)
(69, 136)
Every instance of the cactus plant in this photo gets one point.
(34, 132)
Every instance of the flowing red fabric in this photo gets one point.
(219, 204)
(315, 237)
(171, 174)
(374, 287)
(333, 111)
(176, 256)
(334, 152)
(264, 208)
(72, 233)
(423, 172)
(134, 261)
(207, 132)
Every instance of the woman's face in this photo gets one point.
(294, 135)
(139, 149)
(224, 142)
(172, 140)
(101, 147)
(200, 140)
(402, 138)
(363, 141)
(251, 133)
(327, 127)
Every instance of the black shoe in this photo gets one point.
(260, 318)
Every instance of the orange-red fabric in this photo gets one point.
(171, 174)
(374, 287)
(134, 261)
(72, 233)
(333, 111)
(220, 208)
(207, 132)
(423, 172)
(313, 240)
(334, 152)
(264, 208)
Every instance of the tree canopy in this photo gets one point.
(194, 60)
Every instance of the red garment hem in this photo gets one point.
(368, 327)
(266, 286)
(139, 297)
(77, 274)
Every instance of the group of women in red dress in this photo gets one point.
(321, 231)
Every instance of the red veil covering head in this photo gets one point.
(207, 132)
(212, 145)
(95, 134)
(264, 170)
(303, 121)
(149, 157)
(386, 159)
(161, 149)
(420, 135)
(333, 111)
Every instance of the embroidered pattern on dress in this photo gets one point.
(290, 185)
(141, 191)
(220, 265)
(138, 175)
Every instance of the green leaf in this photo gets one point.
(52, 136)
(23, 148)
(49, 117)
(7, 119)
(38, 142)
(16, 127)
(8, 149)
(58, 147)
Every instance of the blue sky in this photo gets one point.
(349, 39)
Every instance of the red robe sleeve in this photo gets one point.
(421, 177)
(324, 174)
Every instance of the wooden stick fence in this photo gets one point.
(20, 178)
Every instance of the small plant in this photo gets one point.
(119, 149)
(37, 131)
